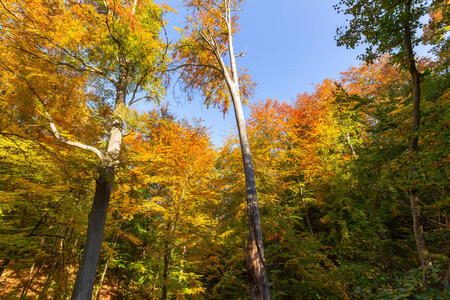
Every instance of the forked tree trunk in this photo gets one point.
(84, 282)
(27, 285)
(94, 237)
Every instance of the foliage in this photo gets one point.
(381, 26)
(162, 208)
(329, 165)
(44, 192)
(412, 286)
(203, 49)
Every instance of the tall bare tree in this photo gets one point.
(207, 42)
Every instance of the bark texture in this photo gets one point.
(256, 259)
(219, 42)
(96, 226)
(84, 282)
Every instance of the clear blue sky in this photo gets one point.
(290, 47)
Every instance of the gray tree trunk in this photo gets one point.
(96, 226)
(258, 274)
(256, 266)
(84, 282)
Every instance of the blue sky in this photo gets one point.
(290, 47)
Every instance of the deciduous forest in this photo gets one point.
(342, 193)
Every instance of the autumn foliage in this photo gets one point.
(334, 168)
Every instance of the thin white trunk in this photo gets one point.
(99, 291)
(258, 286)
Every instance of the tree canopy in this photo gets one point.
(344, 194)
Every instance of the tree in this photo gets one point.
(391, 27)
(206, 41)
(318, 234)
(173, 164)
(435, 32)
(115, 44)
(44, 190)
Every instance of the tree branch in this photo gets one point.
(55, 131)
(195, 65)
(8, 135)
(62, 139)
(413, 209)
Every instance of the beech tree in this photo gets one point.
(163, 208)
(334, 179)
(117, 46)
(206, 42)
(44, 191)
(174, 168)
(391, 27)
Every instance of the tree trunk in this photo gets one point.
(96, 226)
(84, 282)
(165, 271)
(257, 265)
(413, 146)
(166, 259)
(447, 275)
(306, 208)
(43, 294)
(99, 291)
(258, 274)
(28, 282)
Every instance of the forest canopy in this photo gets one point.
(340, 193)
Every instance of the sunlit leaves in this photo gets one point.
(380, 25)
(169, 186)
(203, 50)
(93, 37)
(43, 207)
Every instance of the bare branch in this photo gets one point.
(242, 54)
(62, 139)
(149, 71)
(149, 95)
(55, 131)
(50, 235)
(195, 65)
(413, 209)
